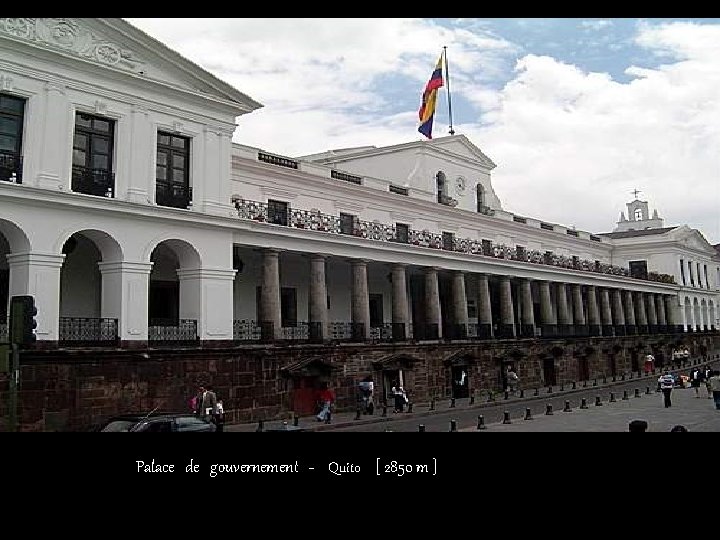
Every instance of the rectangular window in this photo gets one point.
(347, 224)
(472, 308)
(288, 307)
(547, 227)
(690, 273)
(571, 232)
(518, 219)
(398, 190)
(401, 232)
(376, 310)
(92, 157)
(448, 241)
(682, 271)
(707, 282)
(12, 114)
(486, 247)
(638, 269)
(278, 212)
(172, 171)
(520, 253)
(699, 276)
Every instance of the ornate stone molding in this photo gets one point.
(70, 36)
(6, 82)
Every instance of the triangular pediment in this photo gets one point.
(693, 239)
(461, 146)
(116, 44)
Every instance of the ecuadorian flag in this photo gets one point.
(429, 98)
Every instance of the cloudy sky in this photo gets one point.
(576, 113)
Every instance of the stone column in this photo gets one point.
(674, 320)
(565, 323)
(593, 312)
(38, 275)
(460, 312)
(433, 315)
(527, 314)
(206, 296)
(317, 301)
(506, 328)
(661, 319)
(125, 290)
(641, 313)
(547, 316)
(270, 316)
(630, 324)
(360, 300)
(606, 313)
(618, 313)
(484, 307)
(400, 307)
(651, 313)
(578, 311)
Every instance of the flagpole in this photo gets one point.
(447, 78)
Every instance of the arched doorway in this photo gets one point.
(12, 240)
(84, 319)
(394, 368)
(307, 378)
(174, 296)
(458, 374)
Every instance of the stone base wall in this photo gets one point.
(68, 390)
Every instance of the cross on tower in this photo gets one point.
(635, 192)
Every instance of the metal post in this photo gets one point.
(528, 414)
(548, 409)
(452, 402)
(453, 425)
(421, 428)
(506, 418)
(583, 404)
(637, 393)
(481, 422)
(260, 426)
(598, 401)
(296, 419)
(612, 397)
(567, 407)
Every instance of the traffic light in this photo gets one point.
(22, 320)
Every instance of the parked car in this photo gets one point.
(157, 422)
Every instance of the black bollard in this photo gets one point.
(384, 413)
(472, 398)
(481, 422)
(612, 397)
(632, 374)
(537, 392)
(604, 379)
(410, 406)
(567, 407)
(637, 392)
(598, 401)
(574, 386)
(549, 389)
(522, 393)
(625, 395)
(452, 403)
(583, 404)
(584, 384)
(328, 418)
(507, 394)
(614, 378)
(594, 382)
(623, 377)
(548, 409)
(432, 404)
(260, 426)
(453, 425)
(358, 412)
(562, 387)
(296, 420)
(421, 427)
(657, 388)
(528, 414)
(506, 418)
(647, 390)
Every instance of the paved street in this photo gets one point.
(697, 414)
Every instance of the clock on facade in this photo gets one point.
(460, 185)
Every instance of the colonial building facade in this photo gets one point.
(136, 223)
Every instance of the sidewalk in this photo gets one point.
(345, 419)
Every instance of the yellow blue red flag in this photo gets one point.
(429, 98)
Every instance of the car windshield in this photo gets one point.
(119, 425)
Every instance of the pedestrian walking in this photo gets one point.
(327, 399)
(512, 380)
(697, 378)
(400, 397)
(649, 363)
(666, 385)
(715, 387)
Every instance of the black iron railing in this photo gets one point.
(10, 167)
(316, 220)
(173, 332)
(172, 195)
(99, 182)
(88, 331)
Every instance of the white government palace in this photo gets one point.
(130, 215)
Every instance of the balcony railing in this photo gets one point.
(88, 331)
(99, 182)
(172, 332)
(172, 195)
(277, 160)
(316, 220)
(11, 167)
